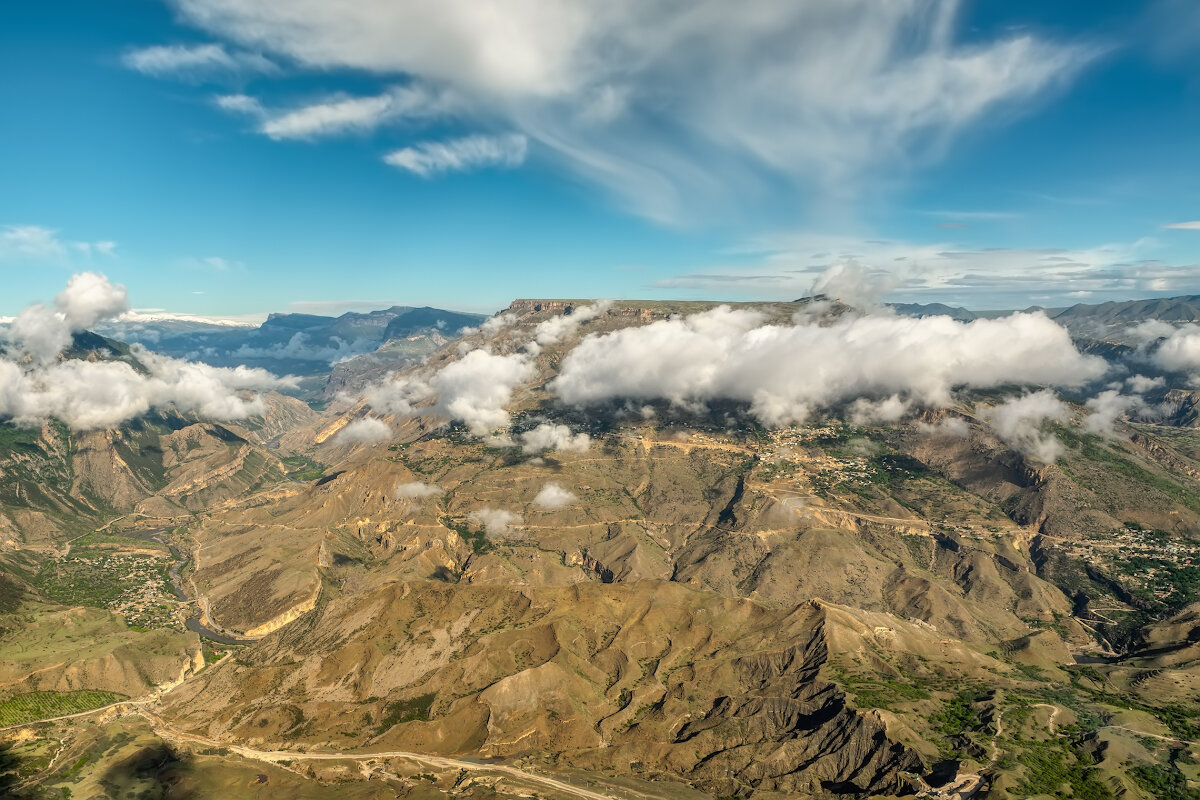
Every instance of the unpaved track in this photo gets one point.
(1054, 711)
(166, 731)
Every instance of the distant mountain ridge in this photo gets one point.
(299, 344)
(1082, 319)
(1114, 314)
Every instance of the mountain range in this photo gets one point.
(583, 577)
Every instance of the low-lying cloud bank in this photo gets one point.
(789, 372)
(36, 384)
(417, 490)
(870, 368)
(365, 431)
(1020, 423)
(496, 521)
(1174, 348)
(553, 497)
(559, 438)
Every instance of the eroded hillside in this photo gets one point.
(658, 590)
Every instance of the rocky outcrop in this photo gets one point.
(788, 730)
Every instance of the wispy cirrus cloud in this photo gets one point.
(39, 243)
(195, 61)
(787, 266)
(679, 111)
(460, 155)
(338, 115)
(974, 216)
(1194, 225)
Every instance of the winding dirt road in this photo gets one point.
(169, 733)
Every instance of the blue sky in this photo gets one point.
(233, 157)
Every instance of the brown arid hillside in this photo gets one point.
(682, 603)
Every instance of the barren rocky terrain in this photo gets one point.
(667, 600)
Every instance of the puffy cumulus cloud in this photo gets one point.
(475, 390)
(952, 427)
(490, 327)
(38, 333)
(367, 430)
(558, 328)
(885, 411)
(786, 372)
(42, 333)
(495, 521)
(101, 394)
(1150, 331)
(428, 159)
(550, 436)
(1140, 384)
(1106, 408)
(751, 99)
(401, 395)
(416, 490)
(1019, 423)
(553, 496)
(85, 395)
(210, 391)
(88, 298)
(1179, 348)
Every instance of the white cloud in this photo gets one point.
(301, 348)
(864, 411)
(365, 431)
(1179, 351)
(680, 109)
(38, 333)
(401, 395)
(857, 269)
(1019, 424)
(191, 61)
(561, 327)
(477, 388)
(553, 496)
(337, 116)
(948, 426)
(548, 436)
(786, 372)
(42, 333)
(241, 104)
(89, 298)
(1140, 384)
(495, 521)
(37, 243)
(89, 394)
(494, 325)
(340, 114)
(1109, 406)
(1194, 225)
(460, 155)
(103, 394)
(218, 263)
(474, 390)
(417, 490)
